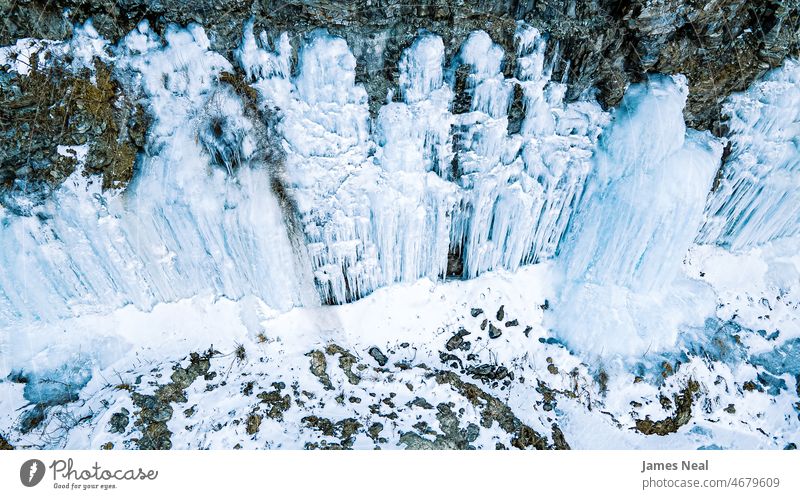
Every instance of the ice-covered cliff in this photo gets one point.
(267, 176)
(208, 196)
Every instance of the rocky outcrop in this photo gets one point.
(53, 106)
(721, 45)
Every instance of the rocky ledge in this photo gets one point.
(720, 45)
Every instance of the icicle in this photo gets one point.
(182, 228)
(521, 189)
(758, 196)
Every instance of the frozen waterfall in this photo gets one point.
(758, 196)
(641, 209)
(260, 178)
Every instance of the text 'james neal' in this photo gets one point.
(684, 466)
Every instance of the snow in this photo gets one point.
(410, 323)
(84, 46)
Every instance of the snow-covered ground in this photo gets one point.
(268, 395)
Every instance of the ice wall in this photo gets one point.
(402, 201)
(186, 226)
(299, 196)
(640, 212)
(758, 196)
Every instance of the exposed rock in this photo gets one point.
(682, 415)
(559, 442)
(253, 423)
(155, 410)
(454, 342)
(276, 403)
(343, 430)
(492, 409)
(420, 402)
(452, 436)
(457, 340)
(4, 445)
(319, 368)
(119, 421)
(494, 332)
(51, 106)
(379, 356)
(476, 312)
(32, 418)
(501, 313)
(721, 46)
(375, 430)
(346, 362)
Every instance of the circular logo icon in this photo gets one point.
(31, 472)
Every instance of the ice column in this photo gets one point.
(519, 189)
(414, 134)
(642, 207)
(413, 213)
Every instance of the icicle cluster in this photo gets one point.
(185, 227)
(758, 196)
(400, 203)
(293, 193)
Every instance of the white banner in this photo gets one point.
(729, 474)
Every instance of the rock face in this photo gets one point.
(86, 112)
(596, 47)
(720, 45)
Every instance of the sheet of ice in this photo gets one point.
(373, 207)
(637, 218)
(758, 196)
(303, 198)
(390, 206)
(758, 288)
(186, 226)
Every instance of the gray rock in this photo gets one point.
(454, 342)
(379, 356)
